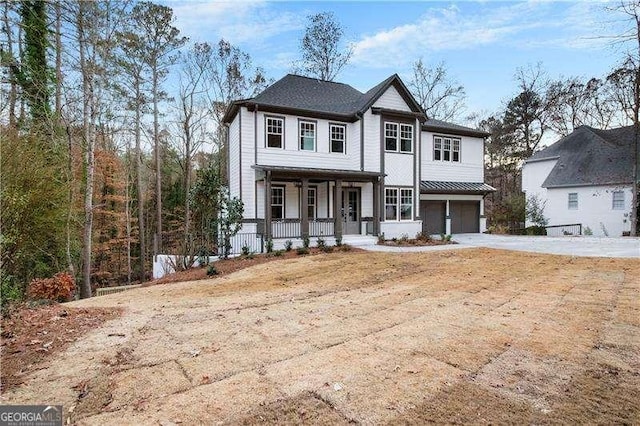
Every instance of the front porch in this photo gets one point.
(300, 202)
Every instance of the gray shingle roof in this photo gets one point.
(447, 187)
(434, 125)
(299, 94)
(590, 156)
(294, 91)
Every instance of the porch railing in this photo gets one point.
(321, 227)
(291, 228)
(560, 230)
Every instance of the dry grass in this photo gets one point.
(466, 336)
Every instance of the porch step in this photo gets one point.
(359, 240)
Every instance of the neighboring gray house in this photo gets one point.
(312, 157)
(585, 177)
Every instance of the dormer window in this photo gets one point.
(274, 128)
(307, 135)
(446, 149)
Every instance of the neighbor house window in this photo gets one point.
(446, 149)
(275, 127)
(391, 136)
(311, 203)
(398, 137)
(573, 201)
(337, 133)
(277, 202)
(406, 204)
(307, 136)
(391, 204)
(617, 200)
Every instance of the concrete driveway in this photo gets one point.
(574, 246)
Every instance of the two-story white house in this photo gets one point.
(319, 158)
(585, 178)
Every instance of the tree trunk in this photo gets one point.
(156, 140)
(141, 227)
(13, 86)
(58, 38)
(88, 134)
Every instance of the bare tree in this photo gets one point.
(159, 42)
(440, 97)
(322, 49)
(626, 81)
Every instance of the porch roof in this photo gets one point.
(448, 187)
(283, 172)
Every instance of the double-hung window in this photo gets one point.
(391, 136)
(446, 149)
(406, 204)
(307, 135)
(311, 203)
(398, 137)
(406, 138)
(337, 133)
(277, 202)
(437, 149)
(398, 204)
(617, 200)
(391, 204)
(455, 154)
(275, 130)
(572, 201)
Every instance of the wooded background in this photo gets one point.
(111, 123)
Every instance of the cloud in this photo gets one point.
(236, 21)
(518, 25)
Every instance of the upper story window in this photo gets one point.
(572, 201)
(446, 149)
(337, 135)
(307, 135)
(398, 137)
(617, 200)
(275, 130)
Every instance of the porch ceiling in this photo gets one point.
(282, 172)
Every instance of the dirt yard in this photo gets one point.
(464, 336)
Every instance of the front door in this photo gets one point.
(351, 211)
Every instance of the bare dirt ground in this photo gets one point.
(465, 336)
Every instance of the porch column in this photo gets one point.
(448, 220)
(376, 207)
(267, 205)
(337, 209)
(304, 214)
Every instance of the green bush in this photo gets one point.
(10, 291)
(278, 253)
(535, 230)
(211, 270)
(269, 245)
(302, 251)
(306, 242)
(288, 245)
(245, 250)
(321, 243)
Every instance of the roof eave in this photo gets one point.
(455, 132)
